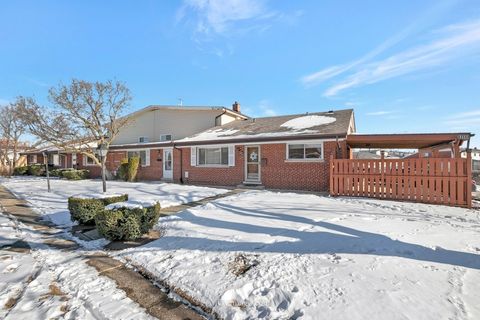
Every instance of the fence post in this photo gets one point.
(469, 178)
(331, 175)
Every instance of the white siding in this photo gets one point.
(179, 123)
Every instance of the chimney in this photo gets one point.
(236, 107)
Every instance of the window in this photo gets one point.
(213, 156)
(166, 137)
(305, 151)
(32, 158)
(143, 139)
(89, 161)
(143, 154)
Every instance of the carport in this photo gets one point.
(436, 174)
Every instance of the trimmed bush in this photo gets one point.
(122, 170)
(20, 171)
(84, 210)
(36, 169)
(128, 169)
(132, 168)
(75, 174)
(127, 222)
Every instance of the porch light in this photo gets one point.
(102, 149)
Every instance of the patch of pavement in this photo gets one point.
(152, 298)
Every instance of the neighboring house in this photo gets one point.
(149, 127)
(475, 153)
(8, 154)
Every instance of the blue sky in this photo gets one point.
(404, 66)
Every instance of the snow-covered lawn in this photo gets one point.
(49, 283)
(322, 258)
(53, 205)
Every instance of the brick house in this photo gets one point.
(219, 146)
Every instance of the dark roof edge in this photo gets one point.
(262, 139)
(218, 141)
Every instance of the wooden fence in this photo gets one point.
(428, 180)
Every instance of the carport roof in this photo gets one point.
(405, 140)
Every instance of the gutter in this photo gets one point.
(260, 139)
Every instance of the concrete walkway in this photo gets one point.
(137, 288)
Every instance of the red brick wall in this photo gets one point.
(39, 159)
(222, 176)
(114, 158)
(154, 171)
(276, 172)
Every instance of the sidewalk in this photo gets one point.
(136, 287)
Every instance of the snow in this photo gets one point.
(311, 256)
(28, 278)
(130, 205)
(54, 207)
(211, 134)
(7, 231)
(296, 126)
(96, 195)
(338, 258)
(305, 122)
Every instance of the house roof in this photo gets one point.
(329, 124)
(186, 108)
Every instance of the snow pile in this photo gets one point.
(305, 122)
(54, 207)
(130, 205)
(212, 134)
(96, 195)
(338, 258)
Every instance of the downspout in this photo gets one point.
(181, 162)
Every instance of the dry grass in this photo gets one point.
(55, 290)
(11, 302)
(241, 264)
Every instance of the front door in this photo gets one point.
(252, 164)
(167, 164)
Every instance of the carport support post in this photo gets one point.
(331, 175)
(469, 178)
(382, 172)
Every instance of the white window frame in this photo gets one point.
(147, 156)
(145, 139)
(33, 158)
(321, 159)
(230, 156)
(164, 135)
(85, 161)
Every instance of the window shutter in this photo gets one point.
(147, 157)
(193, 156)
(231, 156)
(55, 159)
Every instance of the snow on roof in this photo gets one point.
(320, 123)
(306, 122)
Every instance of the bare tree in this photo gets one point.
(12, 128)
(83, 115)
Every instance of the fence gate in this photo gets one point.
(428, 180)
